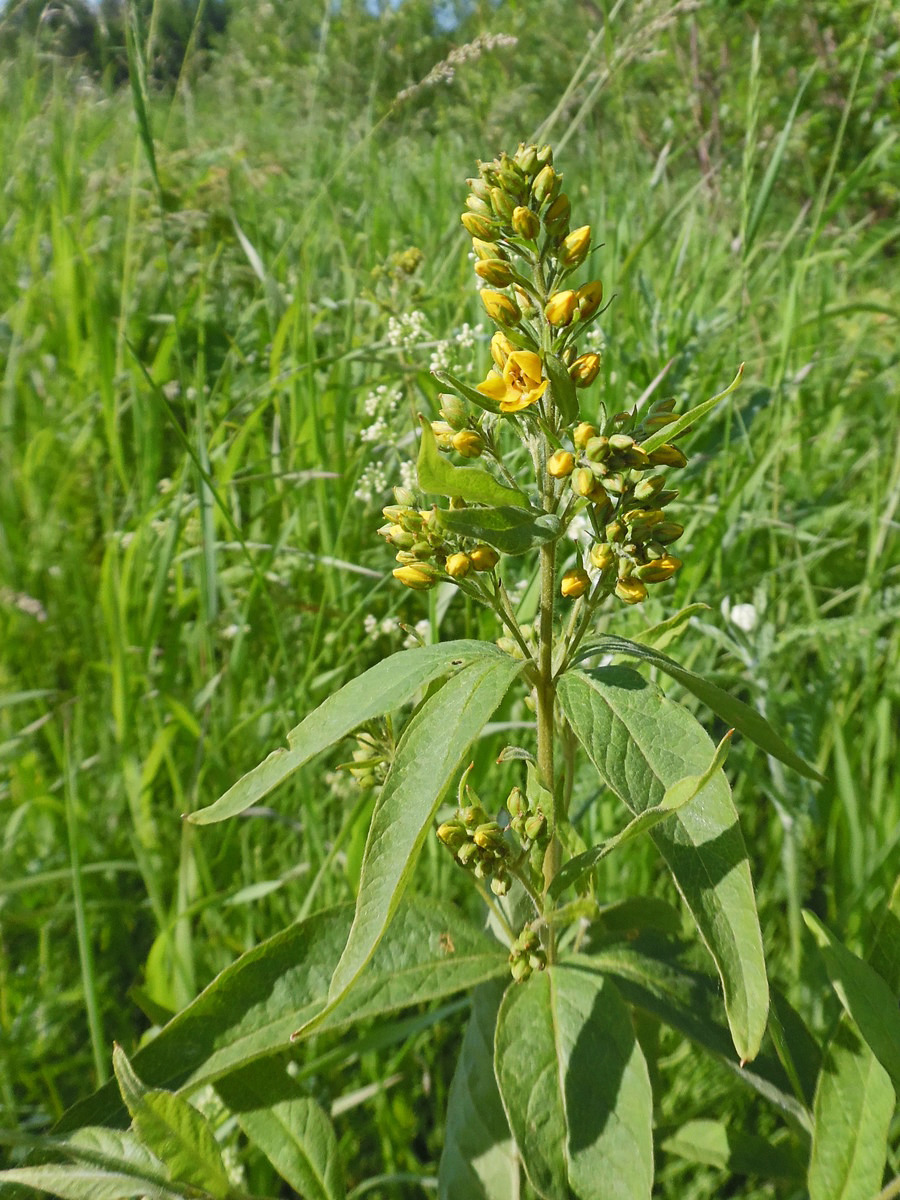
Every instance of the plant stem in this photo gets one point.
(546, 696)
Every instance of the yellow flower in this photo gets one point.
(560, 308)
(574, 583)
(520, 384)
(501, 349)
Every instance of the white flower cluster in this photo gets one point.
(407, 330)
(372, 484)
(381, 404)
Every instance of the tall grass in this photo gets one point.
(189, 327)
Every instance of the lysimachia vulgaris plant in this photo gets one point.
(552, 1091)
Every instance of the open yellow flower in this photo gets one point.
(520, 384)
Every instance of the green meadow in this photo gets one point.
(224, 284)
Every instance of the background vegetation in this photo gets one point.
(203, 288)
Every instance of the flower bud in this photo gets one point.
(573, 251)
(615, 532)
(453, 410)
(561, 464)
(526, 223)
(476, 205)
(632, 591)
(614, 484)
(467, 852)
(480, 227)
(480, 188)
(584, 370)
(519, 969)
(501, 349)
(452, 834)
(667, 531)
(545, 154)
(401, 538)
(560, 308)
(458, 565)
(500, 884)
(649, 487)
(602, 555)
(575, 583)
(443, 434)
(499, 307)
(490, 837)
(485, 250)
(582, 482)
(421, 577)
(422, 550)
(667, 456)
(546, 184)
(589, 299)
(535, 826)
(502, 204)
(657, 571)
(597, 449)
(621, 441)
(526, 158)
(583, 434)
(404, 497)
(665, 497)
(495, 271)
(473, 816)
(516, 804)
(645, 517)
(484, 558)
(468, 443)
(636, 457)
(557, 215)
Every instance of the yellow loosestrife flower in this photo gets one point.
(520, 385)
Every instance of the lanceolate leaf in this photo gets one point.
(289, 1128)
(561, 387)
(575, 1086)
(720, 1145)
(853, 1109)
(175, 1132)
(509, 530)
(428, 755)
(479, 1161)
(677, 795)
(865, 996)
(467, 391)
(248, 1012)
(382, 688)
(641, 743)
(87, 1183)
(440, 477)
(741, 716)
(690, 1003)
(686, 420)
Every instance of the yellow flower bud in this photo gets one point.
(502, 203)
(632, 591)
(584, 370)
(475, 204)
(649, 487)
(561, 464)
(495, 271)
(420, 577)
(458, 565)
(615, 532)
(484, 558)
(524, 301)
(582, 482)
(602, 555)
(443, 434)
(526, 223)
(560, 308)
(573, 251)
(499, 307)
(667, 456)
(546, 183)
(501, 349)
(468, 443)
(453, 410)
(486, 249)
(588, 299)
(480, 227)
(667, 531)
(526, 158)
(575, 583)
(583, 434)
(597, 449)
(558, 212)
(658, 570)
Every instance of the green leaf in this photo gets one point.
(665, 632)
(885, 956)
(248, 1012)
(686, 420)
(440, 478)
(689, 1002)
(382, 688)
(467, 391)
(174, 1131)
(479, 1160)
(740, 716)
(288, 1127)
(717, 1145)
(428, 755)
(575, 1085)
(864, 994)
(561, 387)
(509, 530)
(641, 743)
(86, 1183)
(677, 795)
(115, 1150)
(853, 1109)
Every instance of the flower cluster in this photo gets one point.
(425, 551)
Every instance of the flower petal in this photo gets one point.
(495, 387)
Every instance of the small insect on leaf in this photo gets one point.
(447, 944)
